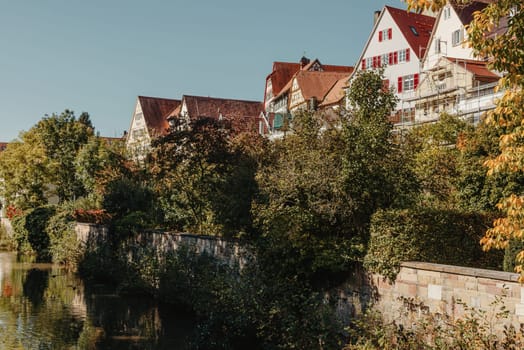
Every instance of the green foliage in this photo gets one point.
(435, 159)
(514, 247)
(42, 164)
(204, 178)
(30, 231)
(428, 235)
(64, 247)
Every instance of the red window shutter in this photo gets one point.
(390, 58)
(399, 85)
(374, 61)
(380, 36)
(415, 80)
(390, 32)
(364, 64)
(379, 61)
(395, 57)
(407, 55)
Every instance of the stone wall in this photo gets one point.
(438, 288)
(446, 288)
(7, 225)
(227, 251)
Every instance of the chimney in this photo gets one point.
(376, 15)
(304, 61)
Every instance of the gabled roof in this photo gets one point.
(281, 74)
(465, 11)
(336, 93)
(478, 68)
(243, 115)
(212, 107)
(315, 83)
(416, 28)
(318, 84)
(155, 111)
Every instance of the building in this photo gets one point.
(308, 85)
(148, 121)
(452, 79)
(449, 33)
(398, 43)
(242, 115)
(456, 86)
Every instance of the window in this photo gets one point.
(403, 55)
(369, 62)
(407, 82)
(385, 34)
(437, 46)
(447, 12)
(385, 59)
(456, 37)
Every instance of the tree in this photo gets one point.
(204, 180)
(436, 159)
(63, 136)
(23, 172)
(322, 185)
(497, 32)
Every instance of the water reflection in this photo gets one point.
(43, 306)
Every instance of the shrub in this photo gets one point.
(64, 248)
(429, 235)
(30, 231)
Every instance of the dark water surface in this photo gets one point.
(43, 306)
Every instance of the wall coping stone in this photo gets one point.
(466, 271)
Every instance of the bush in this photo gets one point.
(64, 248)
(514, 247)
(30, 231)
(429, 235)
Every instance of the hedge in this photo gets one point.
(428, 235)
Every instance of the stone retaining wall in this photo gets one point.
(446, 288)
(438, 288)
(227, 251)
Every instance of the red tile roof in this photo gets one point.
(336, 93)
(465, 11)
(415, 27)
(155, 111)
(479, 68)
(281, 74)
(318, 84)
(241, 113)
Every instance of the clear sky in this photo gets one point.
(97, 56)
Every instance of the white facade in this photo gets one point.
(447, 39)
(138, 139)
(387, 47)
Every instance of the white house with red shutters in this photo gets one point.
(398, 43)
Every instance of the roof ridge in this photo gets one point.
(222, 98)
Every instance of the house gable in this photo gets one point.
(449, 34)
(397, 42)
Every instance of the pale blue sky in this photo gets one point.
(99, 55)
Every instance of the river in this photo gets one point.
(44, 306)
